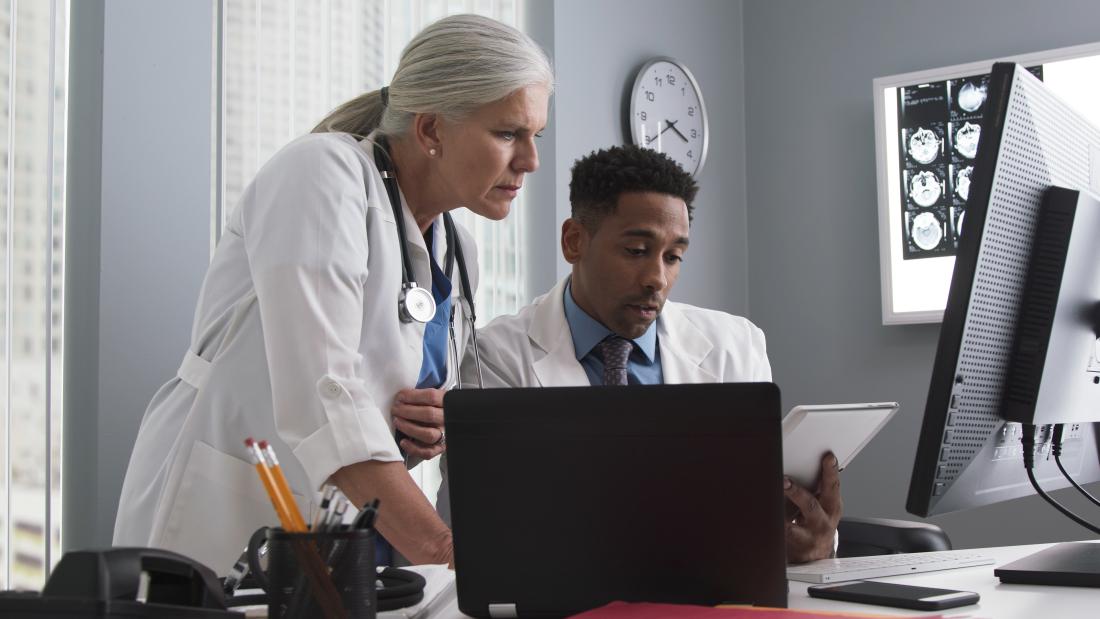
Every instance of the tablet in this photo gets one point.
(809, 432)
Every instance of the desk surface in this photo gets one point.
(998, 601)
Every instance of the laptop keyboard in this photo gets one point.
(858, 568)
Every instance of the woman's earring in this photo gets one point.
(431, 152)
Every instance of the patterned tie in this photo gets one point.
(614, 351)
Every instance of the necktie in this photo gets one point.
(614, 351)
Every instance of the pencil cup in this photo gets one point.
(323, 574)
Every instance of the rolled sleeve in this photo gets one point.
(345, 439)
(304, 231)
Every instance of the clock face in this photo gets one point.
(667, 114)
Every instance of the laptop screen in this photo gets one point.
(564, 499)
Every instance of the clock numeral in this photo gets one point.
(642, 115)
(671, 79)
(649, 95)
(691, 110)
(690, 156)
(658, 81)
(694, 133)
(683, 91)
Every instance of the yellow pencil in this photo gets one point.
(268, 479)
(284, 488)
(306, 552)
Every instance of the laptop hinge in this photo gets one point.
(502, 611)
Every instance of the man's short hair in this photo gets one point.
(602, 176)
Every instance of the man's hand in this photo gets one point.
(811, 527)
(418, 414)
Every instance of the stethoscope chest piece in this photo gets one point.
(415, 303)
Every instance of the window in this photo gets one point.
(286, 63)
(33, 101)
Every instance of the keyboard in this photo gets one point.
(860, 568)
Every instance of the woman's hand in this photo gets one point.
(418, 414)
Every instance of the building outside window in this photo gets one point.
(33, 108)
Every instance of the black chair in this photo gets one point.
(860, 537)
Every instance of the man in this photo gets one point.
(609, 322)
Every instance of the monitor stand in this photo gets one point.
(1074, 564)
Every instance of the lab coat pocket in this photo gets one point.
(220, 502)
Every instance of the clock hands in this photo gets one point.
(672, 125)
(669, 124)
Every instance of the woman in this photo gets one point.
(299, 336)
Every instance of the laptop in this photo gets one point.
(564, 499)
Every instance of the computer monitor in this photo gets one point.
(988, 379)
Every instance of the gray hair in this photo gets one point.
(451, 68)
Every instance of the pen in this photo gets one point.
(365, 519)
(322, 513)
(337, 516)
(272, 462)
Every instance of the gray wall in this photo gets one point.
(813, 248)
(148, 231)
(598, 46)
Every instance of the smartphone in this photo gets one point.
(891, 594)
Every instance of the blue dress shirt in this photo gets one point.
(644, 365)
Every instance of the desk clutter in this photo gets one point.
(324, 568)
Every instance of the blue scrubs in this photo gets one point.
(433, 370)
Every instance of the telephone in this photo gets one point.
(123, 582)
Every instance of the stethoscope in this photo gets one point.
(416, 303)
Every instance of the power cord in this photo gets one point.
(1029, 465)
(1056, 449)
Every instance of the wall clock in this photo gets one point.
(667, 113)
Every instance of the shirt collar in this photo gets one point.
(587, 331)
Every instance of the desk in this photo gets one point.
(998, 601)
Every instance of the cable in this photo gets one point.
(1029, 464)
(1056, 449)
(400, 588)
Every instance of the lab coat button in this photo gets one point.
(333, 388)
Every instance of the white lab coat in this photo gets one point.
(534, 348)
(296, 340)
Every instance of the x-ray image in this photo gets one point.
(965, 138)
(961, 177)
(967, 97)
(926, 231)
(925, 144)
(957, 216)
(940, 126)
(925, 187)
(971, 96)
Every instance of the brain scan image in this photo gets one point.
(971, 97)
(966, 139)
(924, 145)
(925, 188)
(962, 182)
(926, 231)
